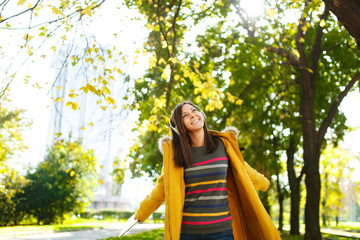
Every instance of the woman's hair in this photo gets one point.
(182, 141)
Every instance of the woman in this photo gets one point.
(208, 188)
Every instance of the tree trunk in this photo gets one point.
(323, 214)
(294, 183)
(311, 159)
(281, 201)
(347, 12)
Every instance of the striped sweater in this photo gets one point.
(206, 207)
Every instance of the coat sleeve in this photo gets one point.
(152, 201)
(259, 181)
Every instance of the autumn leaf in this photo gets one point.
(271, 13)
(322, 23)
(21, 2)
(59, 99)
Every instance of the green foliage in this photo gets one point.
(335, 174)
(242, 74)
(12, 124)
(62, 183)
(11, 185)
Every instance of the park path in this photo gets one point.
(91, 234)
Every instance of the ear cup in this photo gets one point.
(173, 127)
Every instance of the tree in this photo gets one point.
(60, 30)
(12, 123)
(258, 62)
(11, 186)
(334, 169)
(63, 183)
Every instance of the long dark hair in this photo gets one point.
(182, 141)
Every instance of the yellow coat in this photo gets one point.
(250, 219)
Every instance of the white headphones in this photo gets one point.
(175, 128)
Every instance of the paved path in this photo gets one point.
(341, 232)
(94, 234)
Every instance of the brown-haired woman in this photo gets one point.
(208, 188)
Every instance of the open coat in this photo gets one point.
(250, 219)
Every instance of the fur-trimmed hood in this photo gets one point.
(164, 139)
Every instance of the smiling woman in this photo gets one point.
(208, 188)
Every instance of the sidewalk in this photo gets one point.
(111, 230)
(341, 232)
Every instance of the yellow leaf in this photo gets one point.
(322, 23)
(91, 124)
(82, 128)
(56, 10)
(110, 100)
(101, 181)
(296, 52)
(89, 60)
(27, 37)
(101, 167)
(53, 48)
(105, 90)
(21, 2)
(87, 10)
(59, 99)
(72, 173)
(164, 75)
(239, 102)
(203, 7)
(103, 108)
(271, 12)
(58, 134)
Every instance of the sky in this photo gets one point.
(38, 104)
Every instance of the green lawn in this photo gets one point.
(158, 234)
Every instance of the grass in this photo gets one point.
(348, 226)
(157, 234)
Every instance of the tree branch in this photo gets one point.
(23, 12)
(172, 52)
(294, 60)
(316, 51)
(244, 20)
(334, 108)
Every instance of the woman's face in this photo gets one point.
(192, 118)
